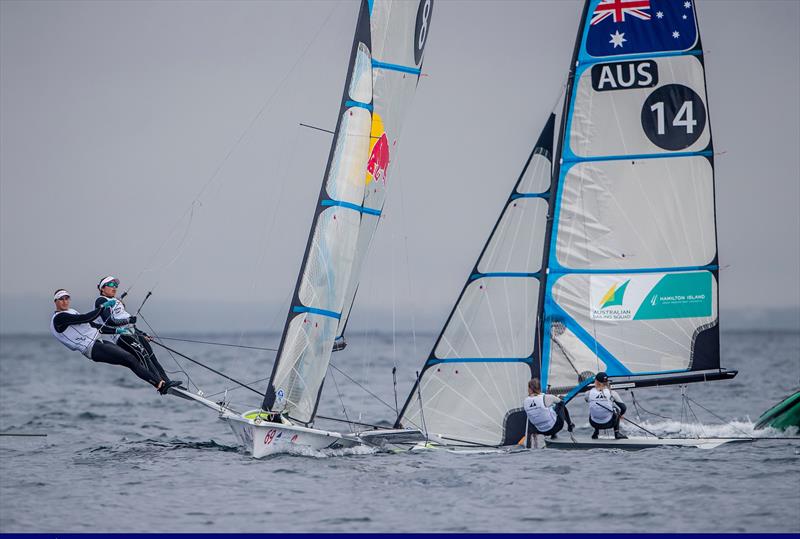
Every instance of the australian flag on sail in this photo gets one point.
(621, 27)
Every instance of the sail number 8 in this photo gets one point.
(673, 117)
(424, 12)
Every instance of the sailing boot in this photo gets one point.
(619, 436)
(570, 427)
(167, 385)
(596, 434)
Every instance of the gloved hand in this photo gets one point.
(109, 303)
(132, 320)
(123, 331)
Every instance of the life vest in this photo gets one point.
(118, 312)
(543, 417)
(79, 337)
(601, 406)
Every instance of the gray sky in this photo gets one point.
(114, 115)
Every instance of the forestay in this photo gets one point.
(632, 255)
(383, 72)
(476, 374)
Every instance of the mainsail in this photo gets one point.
(384, 69)
(628, 280)
(477, 372)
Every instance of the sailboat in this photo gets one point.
(604, 256)
(384, 69)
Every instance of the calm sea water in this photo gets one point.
(119, 457)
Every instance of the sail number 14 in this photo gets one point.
(673, 117)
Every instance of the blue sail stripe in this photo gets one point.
(577, 159)
(559, 269)
(351, 103)
(396, 67)
(587, 61)
(493, 274)
(436, 361)
(351, 206)
(314, 310)
(613, 365)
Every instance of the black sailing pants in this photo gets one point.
(137, 345)
(105, 352)
(613, 422)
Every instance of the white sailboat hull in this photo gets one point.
(265, 438)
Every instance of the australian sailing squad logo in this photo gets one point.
(612, 305)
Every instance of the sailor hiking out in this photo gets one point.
(75, 331)
(132, 340)
(546, 413)
(606, 408)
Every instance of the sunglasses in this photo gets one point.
(112, 284)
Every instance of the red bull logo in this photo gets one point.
(378, 162)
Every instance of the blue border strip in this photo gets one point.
(476, 276)
(350, 206)
(351, 103)
(559, 269)
(631, 157)
(396, 67)
(313, 310)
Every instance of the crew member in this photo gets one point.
(74, 331)
(606, 408)
(133, 341)
(546, 413)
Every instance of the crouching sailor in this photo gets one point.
(546, 413)
(120, 325)
(74, 331)
(606, 408)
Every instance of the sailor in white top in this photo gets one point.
(606, 408)
(74, 331)
(546, 413)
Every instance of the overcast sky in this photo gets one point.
(115, 116)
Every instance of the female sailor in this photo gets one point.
(606, 408)
(546, 413)
(133, 341)
(75, 331)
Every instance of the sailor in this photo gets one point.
(546, 413)
(133, 340)
(74, 331)
(606, 408)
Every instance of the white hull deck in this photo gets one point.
(637, 443)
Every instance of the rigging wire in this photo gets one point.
(180, 367)
(220, 344)
(196, 200)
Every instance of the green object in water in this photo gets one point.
(783, 415)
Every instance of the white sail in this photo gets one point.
(632, 259)
(476, 375)
(384, 68)
(399, 31)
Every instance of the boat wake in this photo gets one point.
(735, 429)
